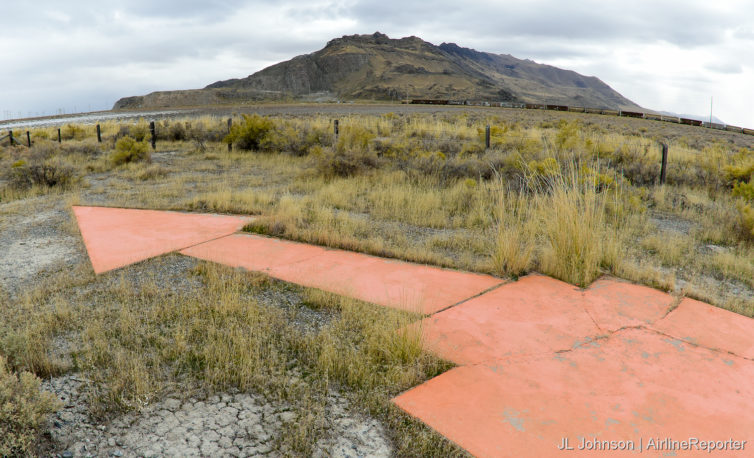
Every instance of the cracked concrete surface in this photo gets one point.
(542, 360)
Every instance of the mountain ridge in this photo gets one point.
(377, 67)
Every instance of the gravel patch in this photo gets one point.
(33, 244)
(671, 223)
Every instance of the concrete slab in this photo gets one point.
(544, 360)
(536, 314)
(614, 304)
(381, 281)
(712, 327)
(635, 387)
(117, 237)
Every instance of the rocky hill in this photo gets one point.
(376, 67)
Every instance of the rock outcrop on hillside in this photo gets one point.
(376, 67)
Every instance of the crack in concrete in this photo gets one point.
(488, 290)
(698, 345)
(600, 338)
(673, 305)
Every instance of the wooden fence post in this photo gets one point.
(663, 168)
(99, 134)
(230, 125)
(487, 137)
(60, 138)
(28, 139)
(335, 129)
(10, 135)
(154, 134)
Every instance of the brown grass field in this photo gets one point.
(570, 195)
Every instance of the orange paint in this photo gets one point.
(539, 314)
(117, 237)
(381, 281)
(544, 359)
(614, 304)
(536, 314)
(635, 385)
(712, 327)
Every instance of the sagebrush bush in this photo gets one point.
(345, 164)
(72, 132)
(743, 190)
(48, 174)
(177, 132)
(24, 408)
(139, 131)
(569, 135)
(41, 167)
(128, 150)
(354, 139)
(251, 133)
(746, 215)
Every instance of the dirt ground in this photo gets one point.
(38, 240)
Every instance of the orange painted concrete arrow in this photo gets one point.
(543, 361)
(381, 281)
(117, 237)
(634, 389)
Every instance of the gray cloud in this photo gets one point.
(92, 52)
(680, 23)
(725, 67)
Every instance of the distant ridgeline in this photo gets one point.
(376, 67)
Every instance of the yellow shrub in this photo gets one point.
(129, 150)
(746, 214)
(23, 411)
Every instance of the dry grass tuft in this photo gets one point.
(24, 409)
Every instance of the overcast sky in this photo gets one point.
(82, 55)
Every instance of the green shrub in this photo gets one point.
(23, 411)
(568, 136)
(139, 131)
(280, 139)
(744, 190)
(739, 172)
(128, 150)
(250, 134)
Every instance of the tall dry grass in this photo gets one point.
(563, 224)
